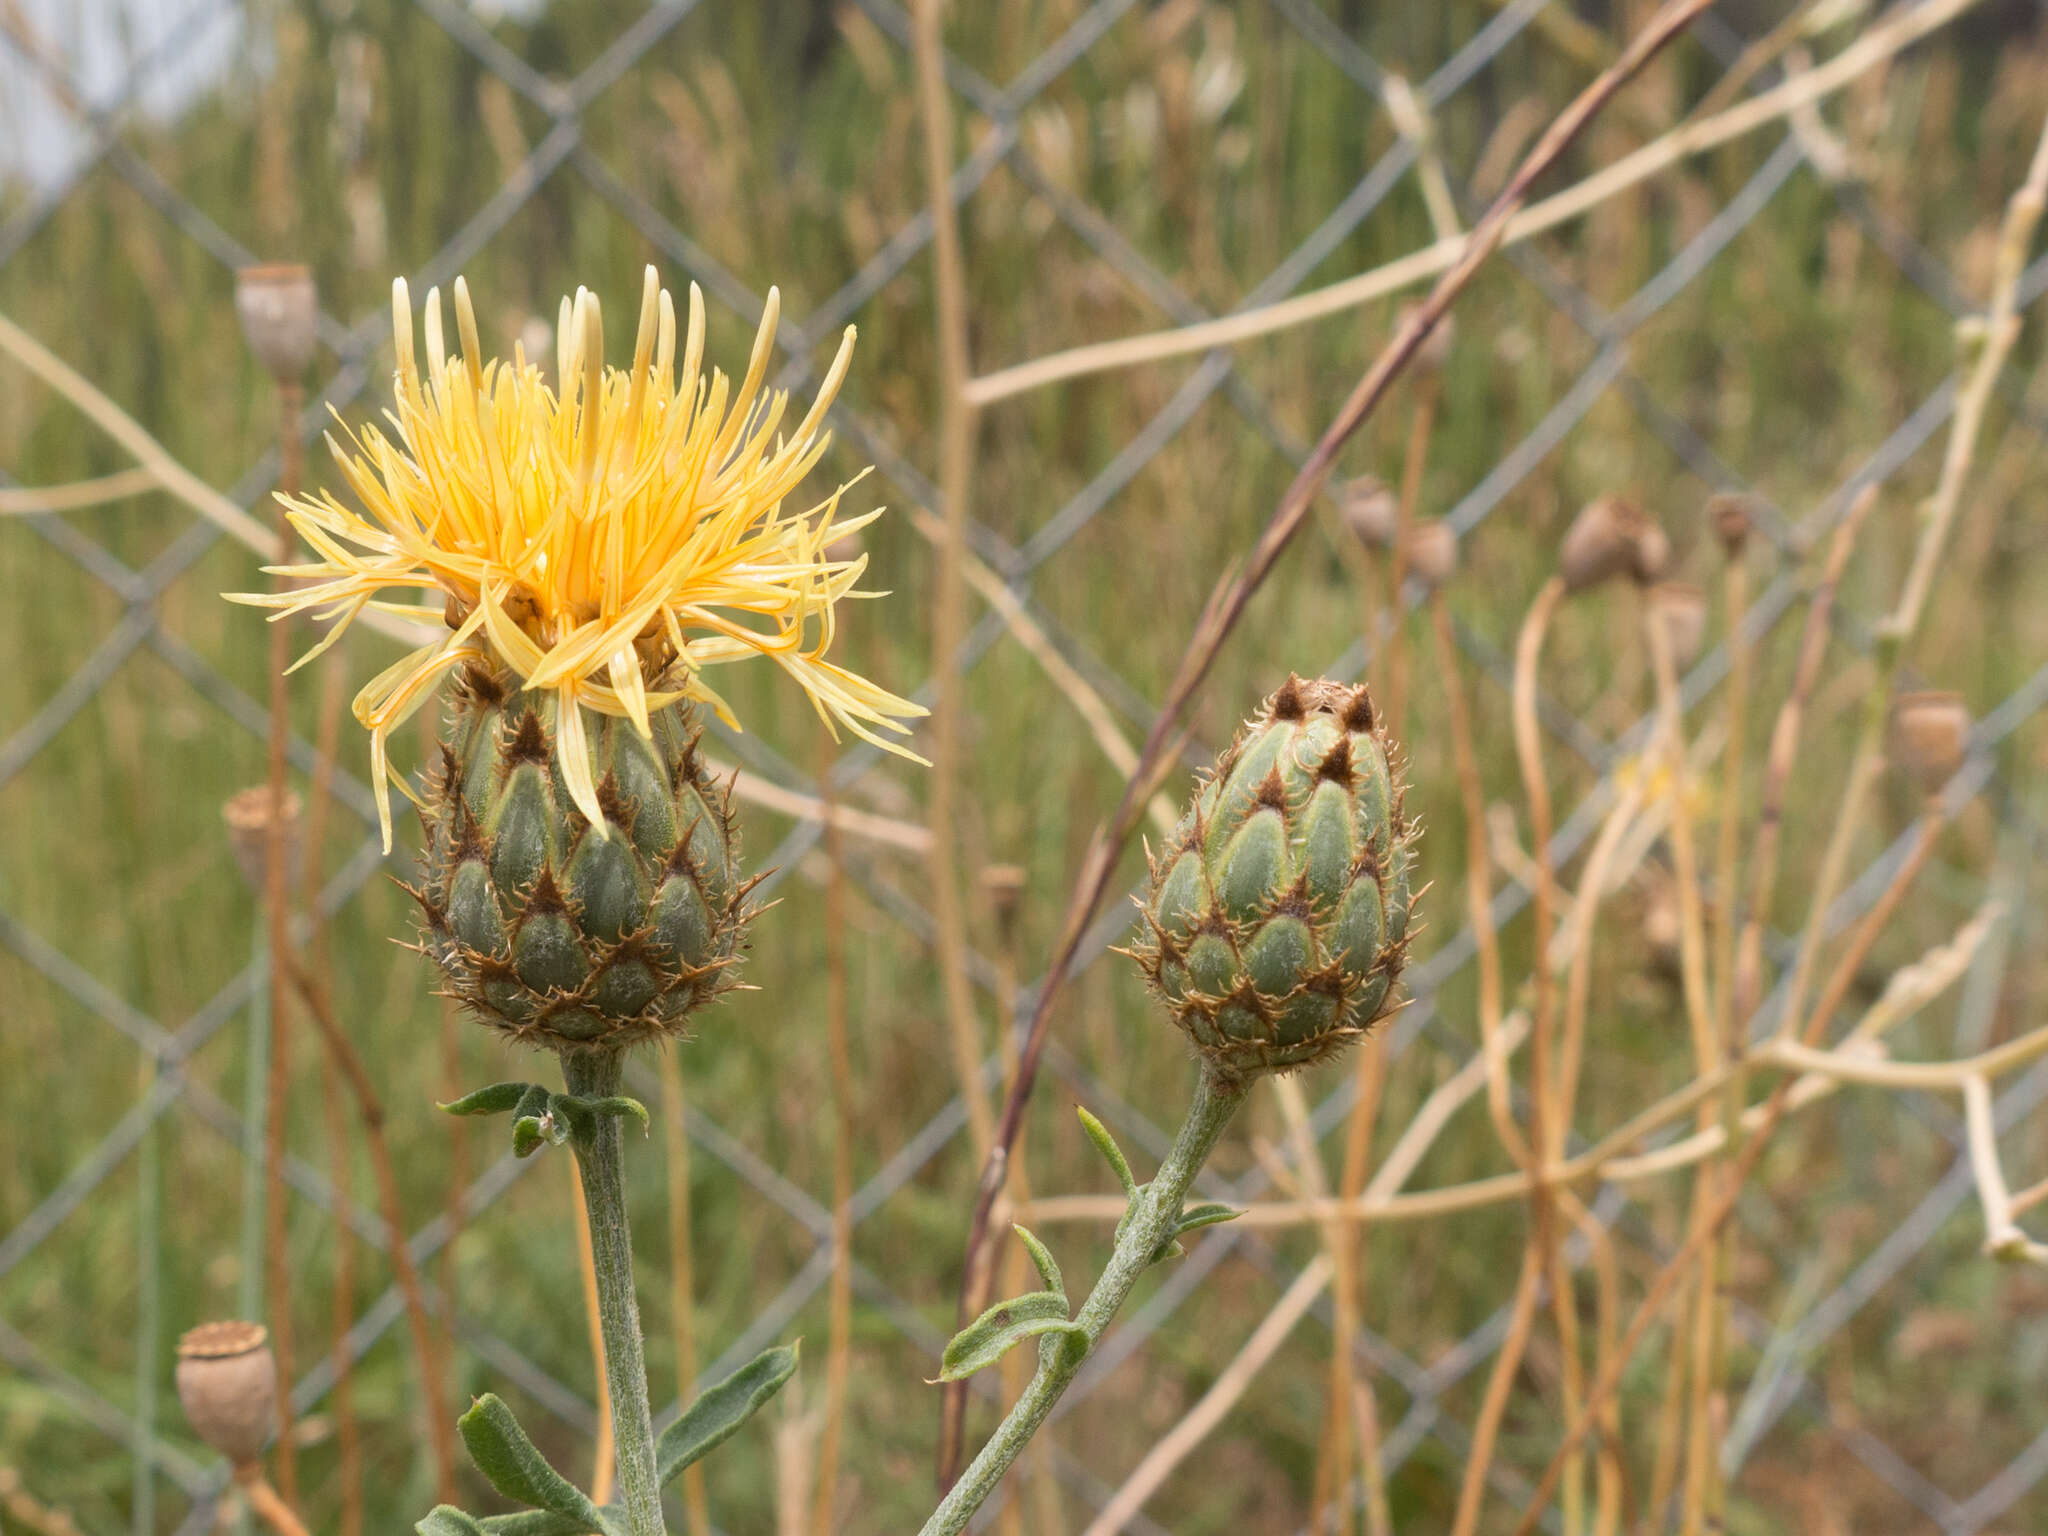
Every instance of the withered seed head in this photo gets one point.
(1611, 536)
(1732, 515)
(1432, 552)
(1680, 610)
(280, 314)
(1930, 734)
(248, 817)
(1369, 510)
(227, 1381)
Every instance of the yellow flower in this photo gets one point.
(607, 544)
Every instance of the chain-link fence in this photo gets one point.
(555, 119)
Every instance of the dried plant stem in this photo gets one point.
(370, 1110)
(29, 501)
(600, 1163)
(277, 937)
(1152, 1215)
(266, 1503)
(602, 1456)
(1897, 32)
(1478, 881)
(1420, 425)
(839, 1328)
(682, 1268)
(1227, 604)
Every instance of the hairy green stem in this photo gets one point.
(1060, 1356)
(600, 1161)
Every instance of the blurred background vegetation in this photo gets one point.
(780, 140)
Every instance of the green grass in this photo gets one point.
(784, 142)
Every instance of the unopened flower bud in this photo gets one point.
(280, 313)
(1680, 610)
(248, 817)
(227, 1380)
(1610, 537)
(1370, 511)
(1930, 733)
(1432, 551)
(1277, 917)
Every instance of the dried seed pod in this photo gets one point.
(1277, 918)
(1732, 515)
(1680, 608)
(280, 313)
(1370, 511)
(227, 1380)
(248, 817)
(1432, 552)
(1611, 536)
(550, 928)
(1930, 734)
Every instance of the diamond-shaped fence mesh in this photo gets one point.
(1773, 318)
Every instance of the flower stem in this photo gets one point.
(600, 1161)
(1060, 1357)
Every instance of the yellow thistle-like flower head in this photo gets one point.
(606, 544)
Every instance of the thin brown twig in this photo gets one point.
(277, 927)
(370, 1108)
(1232, 596)
(266, 1503)
(839, 1307)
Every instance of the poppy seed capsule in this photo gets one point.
(1276, 922)
(549, 928)
(1432, 552)
(1611, 536)
(1680, 610)
(280, 314)
(248, 817)
(1369, 511)
(227, 1382)
(1930, 733)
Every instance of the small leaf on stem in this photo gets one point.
(494, 1100)
(446, 1519)
(722, 1409)
(1106, 1144)
(514, 1465)
(1048, 1267)
(1004, 1326)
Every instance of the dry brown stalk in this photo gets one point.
(25, 1509)
(26, 501)
(370, 1108)
(949, 604)
(1227, 604)
(839, 1327)
(277, 926)
(265, 1502)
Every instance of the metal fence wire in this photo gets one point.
(1429, 1403)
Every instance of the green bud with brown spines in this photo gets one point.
(1277, 919)
(549, 927)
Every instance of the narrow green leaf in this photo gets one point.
(1207, 1214)
(1106, 1144)
(722, 1409)
(1001, 1328)
(494, 1100)
(531, 1132)
(1048, 1267)
(446, 1519)
(617, 1107)
(515, 1467)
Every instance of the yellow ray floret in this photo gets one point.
(606, 543)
